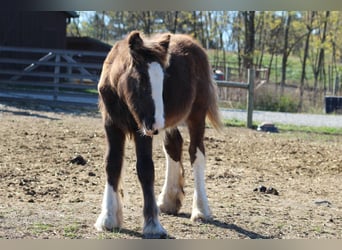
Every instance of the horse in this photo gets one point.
(147, 85)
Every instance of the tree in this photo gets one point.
(318, 60)
(286, 51)
(310, 15)
(248, 56)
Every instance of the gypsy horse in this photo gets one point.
(150, 84)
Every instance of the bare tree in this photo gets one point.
(286, 52)
(249, 38)
(318, 65)
(309, 28)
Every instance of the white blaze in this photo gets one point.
(156, 74)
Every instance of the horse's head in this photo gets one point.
(143, 81)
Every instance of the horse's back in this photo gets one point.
(188, 78)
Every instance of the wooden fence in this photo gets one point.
(249, 85)
(49, 73)
(68, 76)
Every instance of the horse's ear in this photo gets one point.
(165, 41)
(134, 40)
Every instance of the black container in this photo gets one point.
(333, 104)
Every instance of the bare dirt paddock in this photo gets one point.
(44, 195)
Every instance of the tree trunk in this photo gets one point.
(147, 22)
(305, 57)
(194, 23)
(249, 38)
(285, 54)
(320, 65)
(175, 23)
(303, 75)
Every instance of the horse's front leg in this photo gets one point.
(145, 168)
(111, 212)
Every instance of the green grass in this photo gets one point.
(234, 123)
(71, 231)
(50, 88)
(289, 127)
(310, 129)
(39, 228)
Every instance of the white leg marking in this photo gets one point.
(171, 197)
(111, 213)
(200, 207)
(156, 74)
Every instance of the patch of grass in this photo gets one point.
(289, 127)
(309, 129)
(234, 123)
(71, 231)
(318, 229)
(39, 228)
(91, 91)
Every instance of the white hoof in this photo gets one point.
(197, 215)
(111, 214)
(108, 221)
(171, 202)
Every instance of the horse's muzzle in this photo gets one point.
(150, 130)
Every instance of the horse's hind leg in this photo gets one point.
(111, 214)
(171, 197)
(200, 207)
(145, 169)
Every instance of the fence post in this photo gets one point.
(56, 78)
(250, 98)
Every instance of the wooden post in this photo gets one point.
(56, 78)
(250, 98)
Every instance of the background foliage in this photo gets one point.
(298, 48)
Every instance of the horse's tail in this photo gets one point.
(213, 110)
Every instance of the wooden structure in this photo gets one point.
(62, 76)
(38, 29)
(38, 61)
(249, 85)
(49, 74)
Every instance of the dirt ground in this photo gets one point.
(44, 194)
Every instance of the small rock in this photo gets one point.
(268, 127)
(31, 192)
(261, 189)
(272, 190)
(91, 174)
(79, 160)
(77, 200)
(323, 202)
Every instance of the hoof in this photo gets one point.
(170, 203)
(201, 217)
(155, 236)
(168, 208)
(107, 222)
(154, 230)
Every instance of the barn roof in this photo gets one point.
(71, 14)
